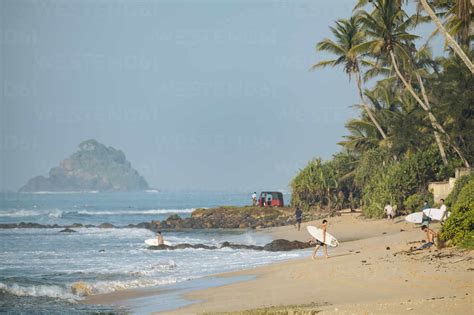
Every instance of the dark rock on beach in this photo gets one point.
(240, 246)
(275, 246)
(181, 246)
(229, 217)
(67, 230)
(285, 245)
(106, 226)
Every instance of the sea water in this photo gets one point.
(39, 266)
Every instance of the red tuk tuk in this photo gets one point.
(270, 199)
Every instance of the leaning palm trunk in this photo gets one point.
(451, 41)
(432, 118)
(436, 134)
(366, 107)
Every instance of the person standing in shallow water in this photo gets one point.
(319, 243)
(159, 238)
(298, 217)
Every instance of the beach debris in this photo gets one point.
(387, 248)
(410, 309)
(402, 230)
(384, 233)
(363, 261)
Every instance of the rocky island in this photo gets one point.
(94, 167)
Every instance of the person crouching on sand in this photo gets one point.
(430, 237)
(159, 238)
(319, 243)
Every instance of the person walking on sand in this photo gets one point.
(319, 243)
(430, 237)
(298, 217)
(425, 219)
(254, 198)
(159, 238)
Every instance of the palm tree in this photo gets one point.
(348, 35)
(458, 16)
(363, 136)
(458, 22)
(387, 28)
(400, 114)
(463, 8)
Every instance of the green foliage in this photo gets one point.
(370, 165)
(396, 181)
(459, 227)
(377, 193)
(325, 183)
(396, 168)
(415, 202)
(458, 186)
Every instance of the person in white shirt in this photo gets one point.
(389, 212)
(445, 212)
(254, 199)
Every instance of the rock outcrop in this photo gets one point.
(275, 246)
(233, 218)
(94, 167)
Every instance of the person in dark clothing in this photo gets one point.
(298, 217)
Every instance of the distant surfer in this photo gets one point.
(430, 236)
(159, 238)
(319, 243)
(298, 217)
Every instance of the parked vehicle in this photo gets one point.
(270, 199)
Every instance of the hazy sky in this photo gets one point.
(198, 94)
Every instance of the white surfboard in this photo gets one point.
(154, 242)
(435, 214)
(415, 217)
(318, 234)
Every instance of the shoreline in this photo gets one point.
(370, 268)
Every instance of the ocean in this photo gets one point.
(38, 266)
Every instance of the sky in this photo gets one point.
(204, 95)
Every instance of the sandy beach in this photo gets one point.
(373, 271)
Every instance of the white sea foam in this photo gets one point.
(20, 213)
(55, 214)
(61, 192)
(52, 291)
(112, 286)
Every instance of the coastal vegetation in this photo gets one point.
(415, 122)
(459, 227)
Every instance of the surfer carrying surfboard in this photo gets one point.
(320, 243)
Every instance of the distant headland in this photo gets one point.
(94, 167)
